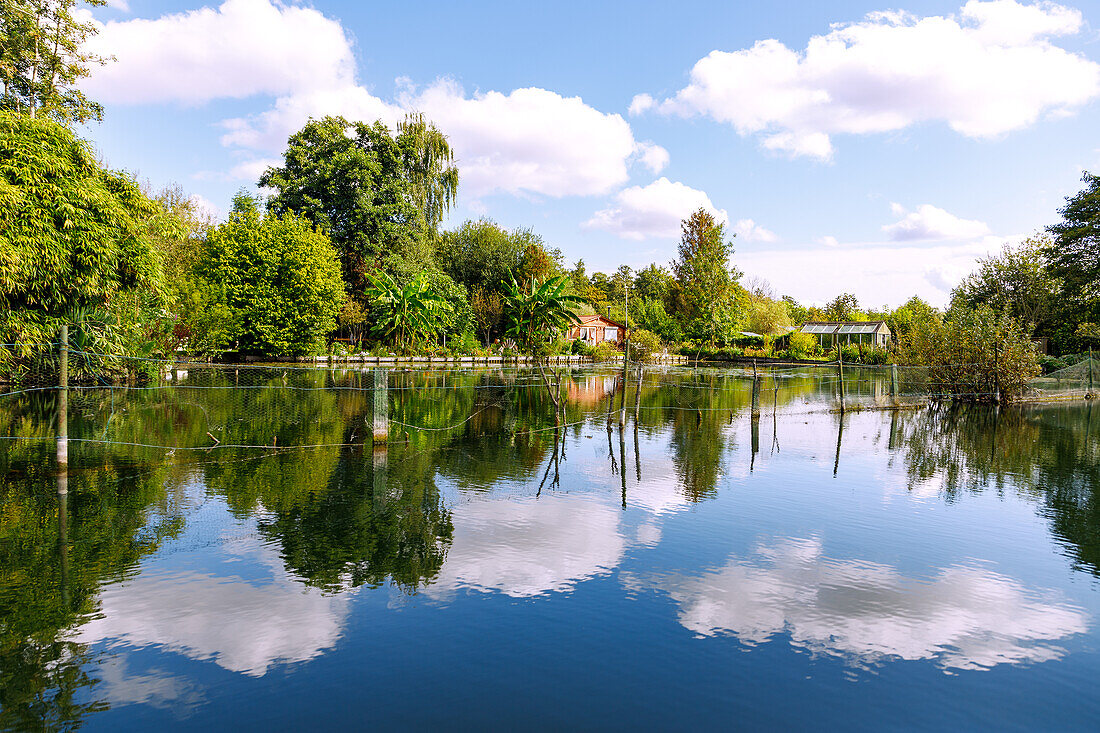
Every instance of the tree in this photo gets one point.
(971, 355)
(428, 165)
(766, 316)
(405, 314)
(73, 237)
(1074, 255)
(482, 256)
(844, 307)
(267, 285)
(42, 59)
(705, 280)
(1015, 282)
(488, 309)
(351, 180)
(913, 314)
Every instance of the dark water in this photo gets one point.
(930, 568)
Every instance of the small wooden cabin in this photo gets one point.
(594, 329)
(830, 333)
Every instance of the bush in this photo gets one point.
(972, 353)
(604, 351)
(265, 285)
(875, 355)
(801, 345)
(644, 346)
(581, 348)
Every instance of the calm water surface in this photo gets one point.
(924, 568)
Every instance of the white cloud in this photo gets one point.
(641, 103)
(528, 141)
(929, 222)
(749, 231)
(206, 208)
(877, 272)
(656, 210)
(652, 156)
(985, 71)
(828, 240)
(533, 141)
(964, 617)
(122, 5)
(241, 49)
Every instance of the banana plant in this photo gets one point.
(406, 315)
(534, 314)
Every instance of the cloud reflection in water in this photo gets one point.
(963, 617)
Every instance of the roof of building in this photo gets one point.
(843, 327)
(593, 317)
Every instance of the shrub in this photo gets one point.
(802, 345)
(875, 355)
(604, 351)
(581, 348)
(972, 353)
(644, 346)
(265, 285)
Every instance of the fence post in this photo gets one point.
(840, 374)
(1089, 394)
(996, 373)
(638, 395)
(755, 390)
(380, 404)
(63, 405)
(894, 382)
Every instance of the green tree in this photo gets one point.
(352, 181)
(704, 277)
(539, 311)
(266, 285)
(915, 312)
(429, 168)
(73, 237)
(1074, 255)
(654, 282)
(42, 59)
(844, 307)
(971, 355)
(1015, 282)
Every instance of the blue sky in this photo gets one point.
(863, 147)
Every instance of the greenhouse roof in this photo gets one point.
(843, 327)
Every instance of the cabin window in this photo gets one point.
(611, 334)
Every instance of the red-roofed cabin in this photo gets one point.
(592, 329)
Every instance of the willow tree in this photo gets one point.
(429, 167)
(42, 59)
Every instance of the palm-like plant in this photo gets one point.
(405, 314)
(536, 312)
(539, 310)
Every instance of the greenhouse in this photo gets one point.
(829, 333)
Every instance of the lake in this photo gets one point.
(233, 552)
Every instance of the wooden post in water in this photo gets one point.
(1088, 395)
(894, 382)
(63, 405)
(380, 404)
(840, 374)
(755, 391)
(638, 395)
(996, 373)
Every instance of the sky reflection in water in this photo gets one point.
(954, 541)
